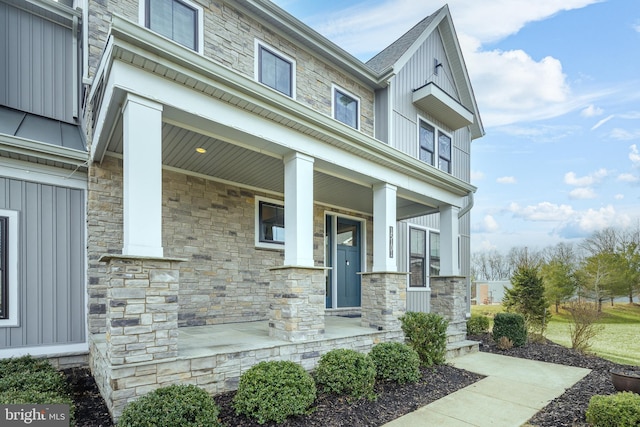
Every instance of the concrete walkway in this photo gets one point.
(513, 391)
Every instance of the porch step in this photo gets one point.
(460, 348)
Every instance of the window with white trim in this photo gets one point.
(275, 69)
(8, 268)
(269, 223)
(178, 20)
(434, 145)
(346, 107)
(424, 257)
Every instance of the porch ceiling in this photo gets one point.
(262, 170)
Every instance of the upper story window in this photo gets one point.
(178, 20)
(8, 268)
(346, 107)
(430, 151)
(275, 69)
(269, 223)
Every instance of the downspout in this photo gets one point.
(468, 207)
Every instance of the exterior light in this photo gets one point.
(201, 150)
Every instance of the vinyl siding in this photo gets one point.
(51, 263)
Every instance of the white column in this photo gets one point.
(142, 177)
(449, 232)
(384, 228)
(298, 210)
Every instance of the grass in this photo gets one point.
(619, 340)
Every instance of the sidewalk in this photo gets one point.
(513, 391)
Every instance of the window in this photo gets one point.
(429, 151)
(8, 268)
(270, 224)
(434, 254)
(346, 107)
(275, 70)
(417, 257)
(178, 20)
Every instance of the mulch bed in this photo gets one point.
(396, 400)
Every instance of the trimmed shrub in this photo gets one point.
(44, 381)
(395, 361)
(426, 333)
(24, 364)
(347, 372)
(272, 391)
(512, 326)
(477, 324)
(174, 405)
(617, 410)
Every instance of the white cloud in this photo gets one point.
(628, 177)
(506, 180)
(582, 193)
(477, 175)
(619, 196)
(570, 178)
(543, 211)
(636, 26)
(603, 121)
(487, 225)
(634, 155)
(584, 223)
(591, 111)
(624, 135)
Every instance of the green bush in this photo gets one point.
(477, 324)
(395, 361)
(272, 391)
(617, 410)
(24, 364)
(43, 381)
(512, 326)
(343, 371)
(174, 405)
(426, 333)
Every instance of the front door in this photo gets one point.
(345, 244)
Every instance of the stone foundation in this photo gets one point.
(449, 299)
(297, 296)
(384, 300)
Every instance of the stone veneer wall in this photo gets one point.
(229, 39)
(216, 373)
(449, 299)
(225, 278)
(384, 300)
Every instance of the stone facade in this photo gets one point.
(384, 300)
(449, 299)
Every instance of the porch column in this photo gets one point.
(384, 225)
(449, 232)
(142, 177)
(298, 210)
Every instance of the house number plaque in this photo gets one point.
(391, 241)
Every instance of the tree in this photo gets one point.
(559, 274)
(526, 296)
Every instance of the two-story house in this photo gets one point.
(251, 191)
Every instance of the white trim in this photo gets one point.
(257, 44)
(46, 350)
(427, 276)
(12, 265)
(334, 88)
(200, 18)
(43, 174)
(258, 243)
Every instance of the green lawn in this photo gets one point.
(619, 341)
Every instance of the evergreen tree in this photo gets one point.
(526, 297)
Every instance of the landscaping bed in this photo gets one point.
(395, 400)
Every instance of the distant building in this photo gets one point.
(488, 292)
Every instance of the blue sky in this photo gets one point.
(558, 88)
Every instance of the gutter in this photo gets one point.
(468, 206)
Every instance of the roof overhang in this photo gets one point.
(442, 106)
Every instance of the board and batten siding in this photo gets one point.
(36, 64)
(51, 264)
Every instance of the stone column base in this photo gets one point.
(296, 311)
(384, 300)
(449, 299)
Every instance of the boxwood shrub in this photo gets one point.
(273, 391)
(512, 326)
(426, 333)
(174, 405)
(395, 361)
(346, 372)
(616, 410)
(477, 324)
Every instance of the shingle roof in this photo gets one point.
(395, 50)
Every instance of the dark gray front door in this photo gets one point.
(348, 262)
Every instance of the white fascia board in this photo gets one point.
(131, 79)
(29, 147)
(27, 171)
